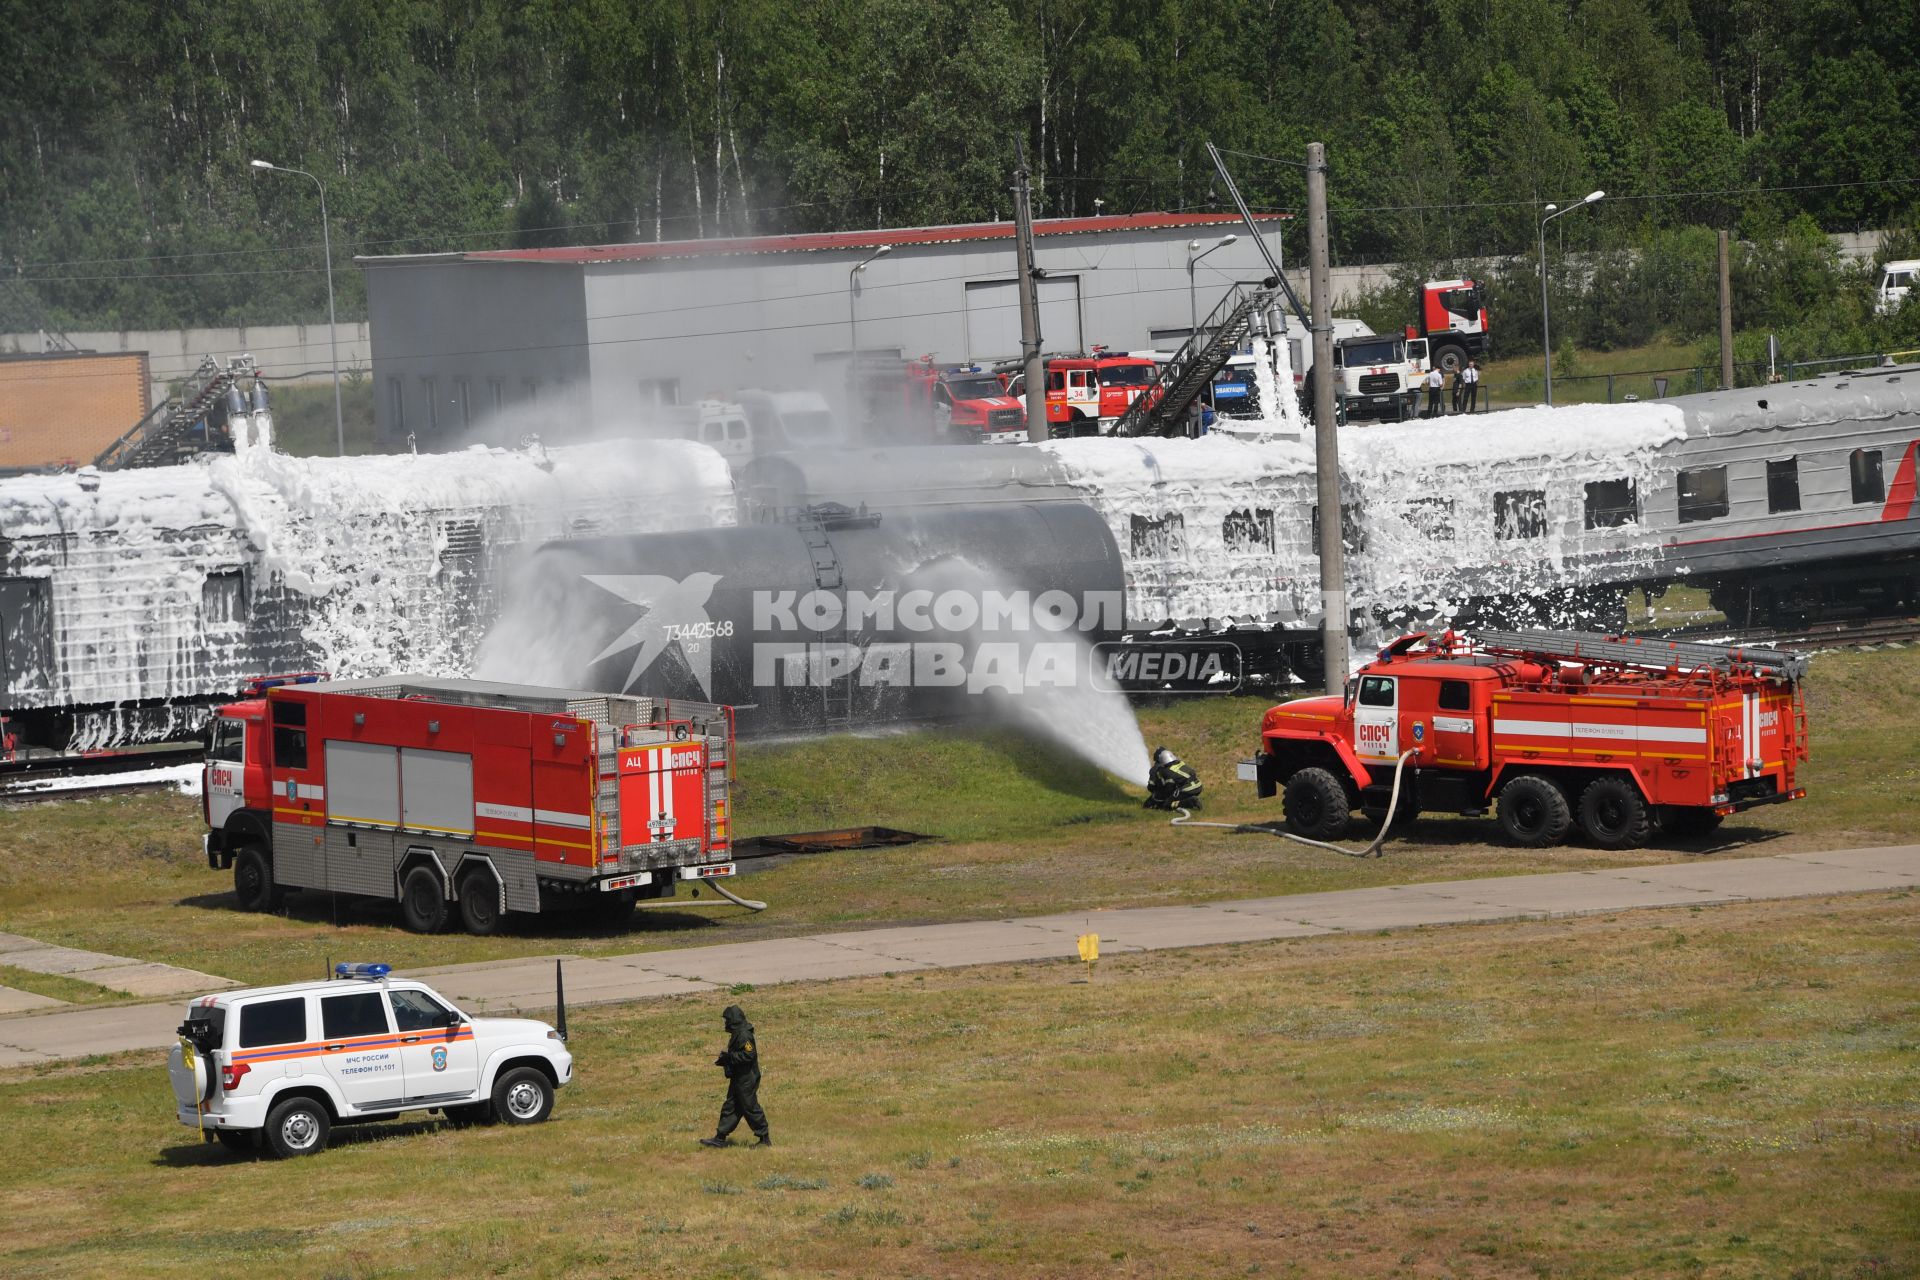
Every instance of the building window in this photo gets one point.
(1520, 513)
(655, 392)
(432, 387)
(1159, 538)
(463, 401)
(1248, 530)
(1868, 484)
(1611, 503)
(1703, 494)
(1783, 484)
(223, 597)
(397, 403)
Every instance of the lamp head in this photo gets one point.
(1228, 239)
(259, 164)
(1192, 245)
(886, 249)
(1552, 207)
(1594, 195)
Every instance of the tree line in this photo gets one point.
(126, 199)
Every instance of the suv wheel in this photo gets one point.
(297, 1127)
(523, 1095)
(253, 881)
(1532, 812)
(423, 904)
(1316, 805)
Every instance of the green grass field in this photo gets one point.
(1019, 829)
(1725, 1092)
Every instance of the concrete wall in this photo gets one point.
(282, 350)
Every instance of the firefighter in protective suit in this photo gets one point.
(1172, 783)
(741, 1062)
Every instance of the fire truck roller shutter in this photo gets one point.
(748, 596)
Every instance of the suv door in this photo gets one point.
(442, 1062)
(358, 1050)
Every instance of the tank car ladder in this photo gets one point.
(836, 692)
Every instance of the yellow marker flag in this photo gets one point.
(1089, 947)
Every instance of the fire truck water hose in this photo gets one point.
(728, 894)
(1371, 851)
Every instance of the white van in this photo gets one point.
(1896, 279)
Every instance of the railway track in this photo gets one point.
(1863, 633)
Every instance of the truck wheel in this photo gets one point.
(1450, 358)
(253, 881)
(297, 1127)
(479, 904)
(423, 905)
(522, 1096)
(1316, 805)
(1613, 815)
(1533, 812)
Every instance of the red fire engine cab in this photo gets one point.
(1453, 320)
(465, 796)
(1087, 394)
(1619, 735)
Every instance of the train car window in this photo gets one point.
(1352, 533)
(1156, 538)
(1703, 494)
(1783, 484)
(1611, 503)
(1869, 485)
(1520, 513)
(1455, 695)
(1432, 518)
(1248, 530)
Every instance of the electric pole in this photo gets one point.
(1036, 381)
(1326, 437)
(1726, 318)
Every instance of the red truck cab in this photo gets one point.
(1087, 394)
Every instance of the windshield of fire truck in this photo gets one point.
(1126, 375)
(1372, 351)
(1464, 302)
(975, 388)
(229, 741)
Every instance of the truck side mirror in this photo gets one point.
(451, 1018)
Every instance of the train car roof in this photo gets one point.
(1877, 393)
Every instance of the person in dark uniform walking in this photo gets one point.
(1171, 783)
(741, 1062)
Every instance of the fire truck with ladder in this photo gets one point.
(464, 797)
(1621, 736)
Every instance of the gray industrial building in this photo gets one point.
(604, 330)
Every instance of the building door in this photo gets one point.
(993, 317)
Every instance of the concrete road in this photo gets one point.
(526, 985)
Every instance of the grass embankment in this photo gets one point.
(1725, 1093)
(1020, 829)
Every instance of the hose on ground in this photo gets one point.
(734, 898)
(1371, 851)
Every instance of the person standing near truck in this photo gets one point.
(741, 1061)
(1434, 381)
(1470, 376)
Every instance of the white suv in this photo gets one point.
(280, 1066)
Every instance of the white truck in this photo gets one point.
(275, 1068)
(1896, 281)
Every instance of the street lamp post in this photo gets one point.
(333, 329)
(853, 325)
(1193, 259)
(1546, 339)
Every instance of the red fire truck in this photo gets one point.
(1453, 320)
(465, 796)
(1621, 735)
(1087, 394)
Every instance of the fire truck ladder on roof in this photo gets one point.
(1161, 408)
(1629, 651)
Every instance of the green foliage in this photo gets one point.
(125, 130)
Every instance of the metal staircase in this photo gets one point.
(197, 420)
(1629, 651)
(1161, 408)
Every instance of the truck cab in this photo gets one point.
(1087, 394)
(1896, 282)
(1378, 376)
(1453, 320)
(971, 406)
(276, 1068)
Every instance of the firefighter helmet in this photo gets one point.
(1162, 756)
